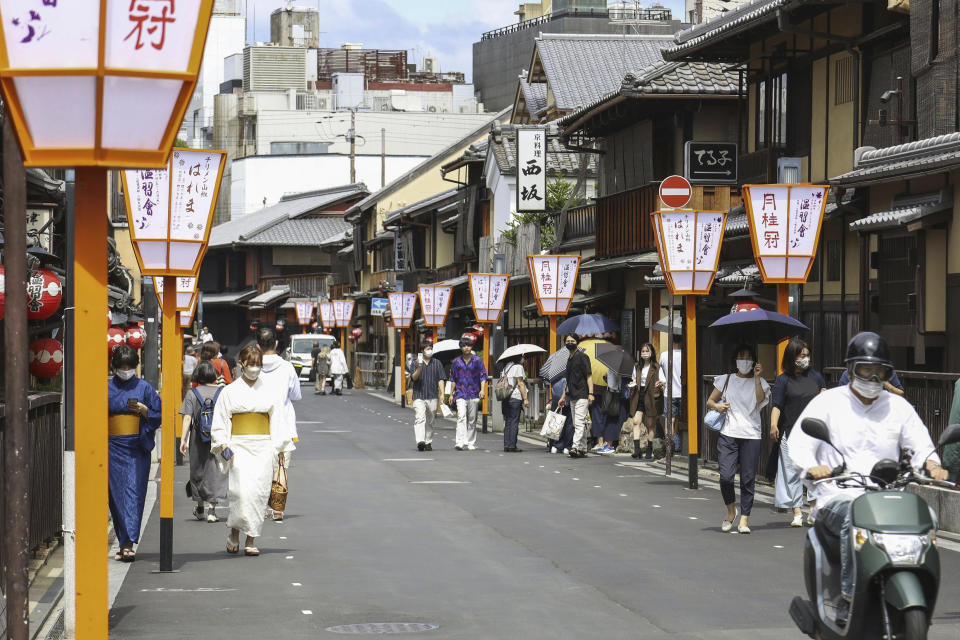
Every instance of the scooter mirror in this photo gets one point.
(816, 428)
(950, 435)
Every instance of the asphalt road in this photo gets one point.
(482, 544)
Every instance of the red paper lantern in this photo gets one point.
(115, 338)
(744, 306)
(134, 337)
(46, 358)
(281, 325)
(44, 292)
(356, 333)
(254, 326)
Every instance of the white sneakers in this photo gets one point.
(553, 449)
(470, 447)
(726, 526)
(797, 520)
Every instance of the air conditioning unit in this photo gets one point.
(431, 64)
(789, 170)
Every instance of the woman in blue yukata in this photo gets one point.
(134, 409)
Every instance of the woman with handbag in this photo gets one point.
(512, 403)
(247, 434)
(210, 352)
(646, 400)
(739, 396)
(792, 391)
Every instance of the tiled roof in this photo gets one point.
(683, 78)
(582, 68)
(902, 160)
(906, 209)
(434, 201)
(723, 26)
(300, 232)
(535, 95)
(289, 207)
(559, 158)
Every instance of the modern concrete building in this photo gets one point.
(293, 26)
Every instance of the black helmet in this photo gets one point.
(868, 346)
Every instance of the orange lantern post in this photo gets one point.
(129, 86)
(785, 222)
(435, 305)
(488, 293)
(688, 247)
(402, 306)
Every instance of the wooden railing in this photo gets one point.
(581, 223)
(338, 291)
(623, 222)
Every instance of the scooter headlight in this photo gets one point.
(902, 549)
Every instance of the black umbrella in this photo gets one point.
(616, 359)
(663, 324)
(757, 326)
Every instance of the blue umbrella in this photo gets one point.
(757, 326)
(588, 324)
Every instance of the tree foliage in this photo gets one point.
(559, 191)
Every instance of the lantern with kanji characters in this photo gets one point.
(488, 292)
(688, 246)
(44, 292)
(327, 316)
(115, 338)
(554, 280)
(343, 312)
(169, 211)
(186, 317)
(304, 313)
(435, 303)
(785, 221)
(120, 63)
(402, 308)
(134, 337)
(186, 291)
(46, 357)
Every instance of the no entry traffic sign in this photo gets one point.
(675, 192)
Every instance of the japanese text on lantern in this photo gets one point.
(785, 225)
(554, 279)
(149, 195)
(304, 312)
(401, 309)
(33, 24)
(435, 303)
(488, 292)
(531, 169)
(688, 245)
(327, 316)
(192, 193)
(150, 19)
(343, 312)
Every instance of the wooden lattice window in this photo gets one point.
(843, 80)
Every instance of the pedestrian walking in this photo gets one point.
(189, 366)
(426, 380)
(578, 392)
(205, 336)
(674, 404)
(338, 368)
(513, 406)
(247, 433)
(646, 401)
(565, 441)
(207, 484)
(469, 378)
(283, 377)
(321, 366)
(792, 392)
(740, 395)
(210, 352)
(134, 416)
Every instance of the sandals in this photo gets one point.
(251, 551)
(233, 547)
(128, 555)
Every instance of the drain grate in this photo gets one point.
(372, 628)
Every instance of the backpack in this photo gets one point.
(503, 390)
(203, 416)
(221, 380)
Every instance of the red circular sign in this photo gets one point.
(675, 192)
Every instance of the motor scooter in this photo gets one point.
(896, 561)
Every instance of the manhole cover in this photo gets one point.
(384, 627)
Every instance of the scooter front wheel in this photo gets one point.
(915, 624)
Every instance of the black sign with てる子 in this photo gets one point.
(710, 162)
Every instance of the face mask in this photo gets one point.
(428, 353)
(867, 388)
(251, 373)
(645, 355)
(125, 374)
(571, 347)
(744, 366)
(802, 363)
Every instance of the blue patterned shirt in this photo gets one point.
(467, 377)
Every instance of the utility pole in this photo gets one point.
(383, 158)
(352, 134)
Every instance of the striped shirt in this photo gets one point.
(426, 386)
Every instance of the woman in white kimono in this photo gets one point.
(248, 433)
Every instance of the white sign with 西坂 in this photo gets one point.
(327, 317)
(488, 291)
(531, 169)
(343, 312)
(402, 306)
(554, 279)
(688, 245)
(785, 223)
(435, 303)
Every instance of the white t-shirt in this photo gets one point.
(641, 379)
(515, 373)
(677, 391)
(743, 417)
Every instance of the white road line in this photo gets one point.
(694, 518)
(289, 557)
(623, 495)
(574, 478)
(778, 546)
(307, 612)
(295, 584)
(656, 506)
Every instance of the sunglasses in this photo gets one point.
(873, 371)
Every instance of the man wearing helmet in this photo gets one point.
(867, 424)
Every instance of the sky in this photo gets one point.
(443, 28)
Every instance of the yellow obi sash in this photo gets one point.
(123, 424)
(251, 424)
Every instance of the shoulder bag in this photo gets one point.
(714, 420)
(503, 390)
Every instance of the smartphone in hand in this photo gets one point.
(132, 404)
(226, 453)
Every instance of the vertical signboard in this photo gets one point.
(531, 169)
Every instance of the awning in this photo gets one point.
(291, 303)
(906, 211)
(456, 282)
(632, 261)
(347, 250)
(228, 298)
(380, 238)
(269, 298)
(729, 275)
(449, 222)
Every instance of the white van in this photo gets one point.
(298, 353)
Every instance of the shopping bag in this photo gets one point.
(445, 410)
(278, 489)
(553, 425)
